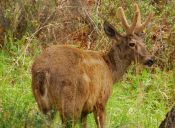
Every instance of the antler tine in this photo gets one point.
(137, 9)
(122, 17)
(134, 22)
(129, 28)
(136, 26)
(141, 27)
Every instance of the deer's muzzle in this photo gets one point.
(149, 62)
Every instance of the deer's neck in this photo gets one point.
(117, 61)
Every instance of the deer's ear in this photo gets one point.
(111, 31)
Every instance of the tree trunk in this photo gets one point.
(169, 121)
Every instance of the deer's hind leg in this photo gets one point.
(71, 106)
(67, 121)
(68, 115)
(73, 97)
(68, 112)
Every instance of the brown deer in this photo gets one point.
(77, 82)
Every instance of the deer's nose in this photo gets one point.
(149, 62)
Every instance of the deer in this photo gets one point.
(76, 82)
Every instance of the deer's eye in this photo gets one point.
(131, 44)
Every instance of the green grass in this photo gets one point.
(141, 101)
(137, 101)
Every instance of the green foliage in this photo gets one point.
(141, 100)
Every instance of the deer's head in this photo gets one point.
(132, 43)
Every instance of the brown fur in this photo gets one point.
(77, 82)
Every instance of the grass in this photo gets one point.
(140, 100)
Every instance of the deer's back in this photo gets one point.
(75, 74)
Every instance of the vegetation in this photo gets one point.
(141, 99)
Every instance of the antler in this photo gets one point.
(136, 26)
